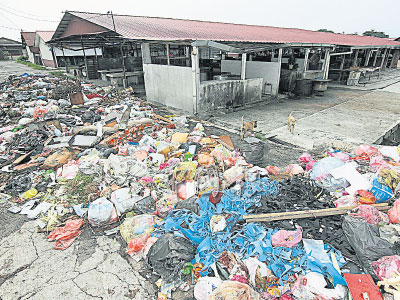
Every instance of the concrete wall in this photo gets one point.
(268, 71)
(131, 63)
(31, 57)
(223, 94)
(169, 85)
(45, 52)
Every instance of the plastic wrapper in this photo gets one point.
(293, 169)
(370, 214)
(137, 226)
(234, 290)
(365, 240)
(381, 192)
(345, 201)
(390, 151)
(68, 171)
(206, 159)
(341, 155)
(234, 174)
(285, 238)
(101, 212)
(185, 171)
(123, 200)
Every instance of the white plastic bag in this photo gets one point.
(123, 200)
(205, 286)
(101, 212)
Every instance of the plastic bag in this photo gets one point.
(364, 239)
(370, 214)
(315, 283)
(381, 192)
(341, 155)
(365, 150)
(69, 170)
(272, 170)
(310, 165)
(394, 212)
(101, 212)
(253, 153)
(390, 232)
(234, 290)
(168, 255)
(205, 159)
(345, 201)
(234, 174)
(386, 266)
(365, 197)
(293, 169)
(285, 238)
(205, 286)
(65, 236)
(185, 171)
(123, 200)
(137, 226)
(390, 151)
(321, 169)
(305, 158)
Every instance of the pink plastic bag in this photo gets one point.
(377, 162)
(65, 236)
(365, 150)
(310, 165)
(293, 169)
(394, 213)
(341, 155)
(305, 158)
(272, 170)
(285, 238)
(386, 266)
(370, 214)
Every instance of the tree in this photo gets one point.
(372, 32)
(325, 30)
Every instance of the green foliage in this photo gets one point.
(260, 136)
(379, 34)
(325, 30)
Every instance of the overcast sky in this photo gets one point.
(347, 16)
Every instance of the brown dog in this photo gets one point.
(247, 127)
(291, 122)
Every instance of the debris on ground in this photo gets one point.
(202, 211)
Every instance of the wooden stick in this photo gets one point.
(307, 214)
(162, 118)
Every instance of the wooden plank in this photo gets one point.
(307, 213)
(162, 118)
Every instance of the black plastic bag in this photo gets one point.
(168, 255)
(253, 153)
(365, 240)
(189, 204)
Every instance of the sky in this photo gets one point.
(347, 16)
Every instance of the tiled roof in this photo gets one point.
(29, 38)
(45, 35)
(166, 29)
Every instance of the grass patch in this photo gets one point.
(82, 189)
(21, 60)
(260, 136)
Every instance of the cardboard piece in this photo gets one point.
(179, 137)
(356, 180)
(226, 141)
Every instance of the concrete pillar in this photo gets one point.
(146, 57)
(327, 63)
(354, 64)
(376, 57)
(307, 54)
(243, 72)
(279, 72)
(369, 52)
(383, 66)
(195, 78)
(168, 58)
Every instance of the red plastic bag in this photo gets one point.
(365, 197)
(285, 238)
(310, 165)
(394, 213)
(65, 236)
(137, 244)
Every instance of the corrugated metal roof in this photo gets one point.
(29, 38)
(45, 35)
(166, 29)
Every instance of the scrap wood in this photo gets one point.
(226, 141)
(307, 213)
(162, 118)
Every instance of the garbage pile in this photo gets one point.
(191, 205)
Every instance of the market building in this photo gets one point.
(9, 48)
(201, 67)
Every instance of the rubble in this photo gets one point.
(180, 199)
